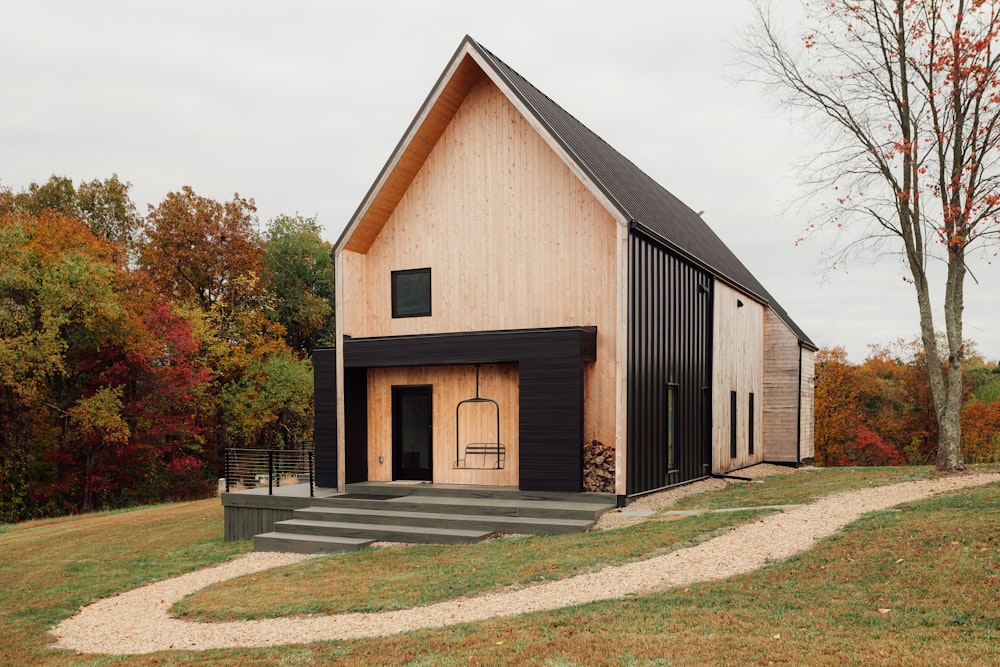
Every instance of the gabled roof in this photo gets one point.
(628, 192)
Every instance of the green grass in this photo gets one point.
(397, 578)
(934, 565)
(803, 486)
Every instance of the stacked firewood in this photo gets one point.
(598, 467)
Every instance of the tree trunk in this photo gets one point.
(949, 411)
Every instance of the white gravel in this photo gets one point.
(139, 621)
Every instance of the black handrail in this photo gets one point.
(250, 465)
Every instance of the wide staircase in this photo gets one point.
(373, 512)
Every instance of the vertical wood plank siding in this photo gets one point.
(781, 391)
(807, 415)
(513, 238)
(670, 341)
(325, 424)
(737, 366)
(450, 384)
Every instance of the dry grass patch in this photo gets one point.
(402, 577)
(933, 565)
(804, 486)
(50, 568)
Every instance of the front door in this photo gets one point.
(412, 435)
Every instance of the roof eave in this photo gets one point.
(404, 144)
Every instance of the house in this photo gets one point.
(512, 288)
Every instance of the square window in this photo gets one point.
(411, 293)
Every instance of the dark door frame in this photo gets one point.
(397, 433)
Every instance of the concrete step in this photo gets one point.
(307, 544)
(550, 509)
(439, 519)
(381, 532)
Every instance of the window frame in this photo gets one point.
(394, 292)
(670, 419)
(733, 425)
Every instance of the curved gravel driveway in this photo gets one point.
(139, 621)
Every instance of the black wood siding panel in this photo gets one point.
(325, 424)
(356, 424)
(551, 424)
(670, 342)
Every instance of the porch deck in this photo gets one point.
(290, 520)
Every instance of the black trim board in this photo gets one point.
(471, 347)
(325, 425)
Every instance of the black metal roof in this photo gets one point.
(641, 200)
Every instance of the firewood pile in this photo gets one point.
(598, 467)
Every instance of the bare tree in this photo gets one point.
(907, 93)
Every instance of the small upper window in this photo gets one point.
(411, 293)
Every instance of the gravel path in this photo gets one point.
(139, 621)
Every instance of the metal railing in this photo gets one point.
(255, 468)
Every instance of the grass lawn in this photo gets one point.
(915, 585)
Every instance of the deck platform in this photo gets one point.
(289, 519)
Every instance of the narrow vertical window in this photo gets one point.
(750, 418)
(732, 424)
(411, 293)
(671, 425)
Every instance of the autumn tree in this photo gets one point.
(100, 381)
(60, 309)
(104, 206)
(197, 249)
(907, 97)
(241, 293)
(299, 273)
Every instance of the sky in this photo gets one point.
(299, 104)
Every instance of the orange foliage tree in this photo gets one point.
(880, 412)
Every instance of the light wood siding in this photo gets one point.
(514, 240)
(781, 391)
(353, 312)
(420, 138)
(807, 424)
(737, 365)
(451, 384)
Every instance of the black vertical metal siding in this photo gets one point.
(325, 424)
(670, 342)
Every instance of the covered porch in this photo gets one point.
(538, 375)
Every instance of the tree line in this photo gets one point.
(881, 411)
(134, 349)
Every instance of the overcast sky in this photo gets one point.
(299, 104)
